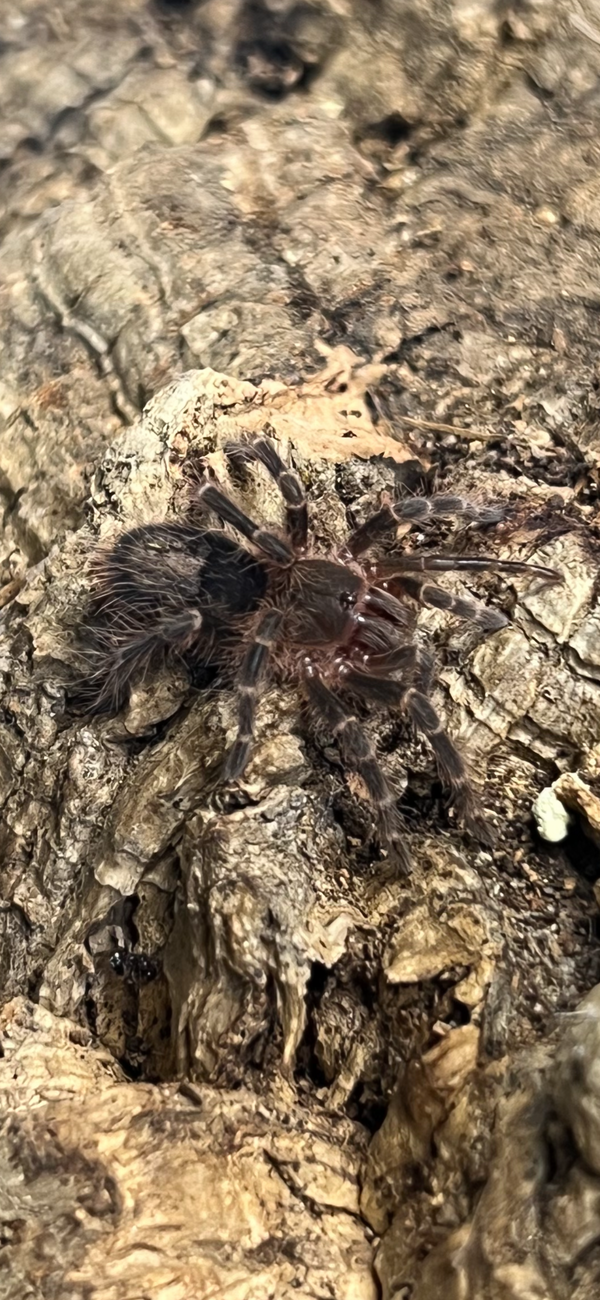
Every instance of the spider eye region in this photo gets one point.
(348, 599)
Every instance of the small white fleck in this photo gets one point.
(551, 816)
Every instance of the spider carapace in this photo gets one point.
(343, 627)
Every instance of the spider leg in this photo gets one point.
(379, 641)
(415, 664)
(251, 675)
(380, 602)
(123, 654)
(426, 593)
(273, 547)
(417, 510)
(296, 509)
(388, 693)
(460, 564)
(359, 754)
(373, 636)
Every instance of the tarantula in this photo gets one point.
(340, 625)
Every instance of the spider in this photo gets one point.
(341, 625)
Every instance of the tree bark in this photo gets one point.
(242, 1054)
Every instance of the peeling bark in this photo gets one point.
(241, 1055)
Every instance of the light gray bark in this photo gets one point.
(337, 1079)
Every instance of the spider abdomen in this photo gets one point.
(170, 590)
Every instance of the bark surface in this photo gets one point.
(371, 230)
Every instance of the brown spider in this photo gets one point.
(341, 626)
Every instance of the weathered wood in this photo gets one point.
(242, 1055)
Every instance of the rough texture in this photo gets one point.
(168, 1191)
(217, 211)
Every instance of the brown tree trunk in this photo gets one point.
(243, 1055)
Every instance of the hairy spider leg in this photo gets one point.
(125, 654)
(397, 569)
(415, 664)
(394, 653)
(296, 509)
(417, 510)
(426, 593)
(271, 546)
(388, 693)
(250, 678)
(382, 603)
(461, 564)
(358, 752)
